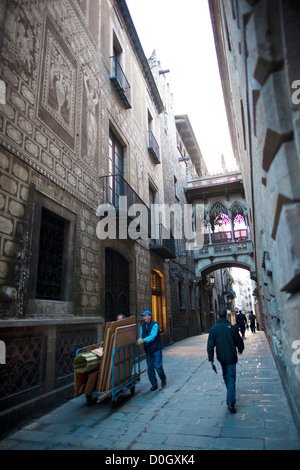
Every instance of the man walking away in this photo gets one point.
(252, 319)
(241, 322)
(226, 339)
(153, 346)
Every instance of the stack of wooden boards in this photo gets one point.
(116, 335)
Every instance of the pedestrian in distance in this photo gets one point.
(241, 322)
(226, 339)
(252, 319)
(120, 316)
(153, 346)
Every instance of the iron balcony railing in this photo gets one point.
(229, 292)
(112, 187)
(120, 83)
(153, 147)
(226, 237)
(163, 242)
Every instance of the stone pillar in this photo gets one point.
(231, 225)
(208, 225)
(247, 226)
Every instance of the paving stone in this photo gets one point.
(190, 413)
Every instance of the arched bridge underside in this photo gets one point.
(227, 241)
(209, 260)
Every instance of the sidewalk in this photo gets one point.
(190, 413)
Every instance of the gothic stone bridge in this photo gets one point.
(227, 239)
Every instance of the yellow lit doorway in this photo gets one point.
(158, 300)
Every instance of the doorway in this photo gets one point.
(158, 300)
(116, 285)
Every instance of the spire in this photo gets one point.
(223, 163)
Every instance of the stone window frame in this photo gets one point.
(65, 306)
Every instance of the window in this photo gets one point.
(153, 146)
(176, 187)
(179, 246)
(117, 54)
(150, 122)
(115, 169)
(154, 221)
(51, 269)
(180, 293)
(118, 77)
(50, 288)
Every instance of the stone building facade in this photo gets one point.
(82, 124)
(182, 161)
(260, 71)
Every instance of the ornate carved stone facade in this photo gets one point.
(72, 136)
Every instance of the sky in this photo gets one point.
(180, 31)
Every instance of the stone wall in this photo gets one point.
(259, 70)
(184, 304)
(54, 137)
(55, 127)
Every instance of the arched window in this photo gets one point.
(220, 223)
(239, 221)
(218, 215)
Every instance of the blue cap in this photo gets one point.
(146, 312)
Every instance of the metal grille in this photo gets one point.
(51, 251)
(67, 344)
(25, 365)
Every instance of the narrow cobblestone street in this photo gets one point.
(189, 414)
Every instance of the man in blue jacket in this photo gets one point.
(153, 346)
(226, 339)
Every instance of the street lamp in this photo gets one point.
(212, 279)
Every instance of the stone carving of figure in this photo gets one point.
(92, 128)
(60, 80)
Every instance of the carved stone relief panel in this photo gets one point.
(20, 40)
(90, 119)
(51, 70)
(89, 11)
(57, 105)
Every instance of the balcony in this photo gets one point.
(224, 249)
(163, 243)
(214, 186)
(229, 292)
(226, 237)
(153, 148)
(120, 83)
(112, 188)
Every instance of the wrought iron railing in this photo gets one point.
(226, 237)
(229, 292)
(162, 241)
(120, 83)
(112, 187)
(153, 147)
